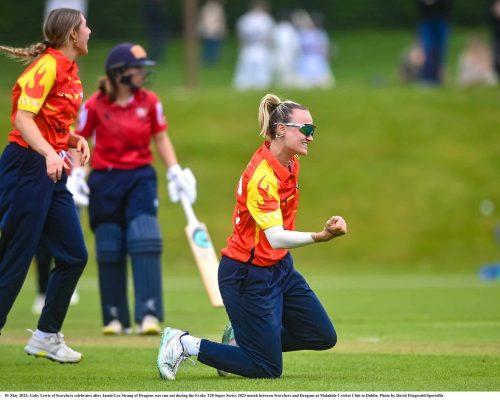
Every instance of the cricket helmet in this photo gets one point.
(127, 55)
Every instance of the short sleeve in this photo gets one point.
(86, 118)
(36, 83)
(263, 201)
(158, 120)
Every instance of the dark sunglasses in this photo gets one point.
(306, 129)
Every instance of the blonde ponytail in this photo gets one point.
(267, 106)
(26, 54)
(273, 110)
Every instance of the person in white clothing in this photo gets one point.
(80, 5)
(254, 65)
(286, 51)
(313, 66)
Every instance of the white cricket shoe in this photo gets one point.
(149, 326)
(53, 348)
(227, 338)
(171, 353)
(113, 328)
(38, 304)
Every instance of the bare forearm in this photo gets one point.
(31, 134)
(165, 149)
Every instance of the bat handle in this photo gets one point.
(188, 209)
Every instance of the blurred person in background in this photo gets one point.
(254, 30)
(313, 64)
(80, 5)
(212, 30)
(123, 118)
(475, 64)
(271, 307)
(412, 61)
(154, 14)
(286, 50)
(35, 204)
(433, 31)
(494, 15)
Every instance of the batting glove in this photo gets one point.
(78, 187)
(181, 180)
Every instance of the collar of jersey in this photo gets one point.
(282, 172)
(62, 60)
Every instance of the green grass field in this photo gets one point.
(407, 167)
(397, 332)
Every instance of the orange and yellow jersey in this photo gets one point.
(51, 89)
(267, 195)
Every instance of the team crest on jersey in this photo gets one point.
(141, 112)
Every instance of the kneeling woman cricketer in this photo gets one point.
(271, 307)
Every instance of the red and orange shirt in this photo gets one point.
(122, 134)
(51, 89)
(267, 195)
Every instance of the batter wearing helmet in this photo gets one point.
(123, 118)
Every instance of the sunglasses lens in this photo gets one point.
(307, 129)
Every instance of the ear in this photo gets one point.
(280, 130)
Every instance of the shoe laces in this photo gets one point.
(180, 359)
(56, 339)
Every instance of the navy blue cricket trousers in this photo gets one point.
(33, 210)
(118, 197)
(272, 310)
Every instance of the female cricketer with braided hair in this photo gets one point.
(35, 205)
(271, 307)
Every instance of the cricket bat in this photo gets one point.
(203, 252)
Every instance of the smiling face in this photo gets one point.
(294, 141)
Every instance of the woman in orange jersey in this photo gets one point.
(35, 205)
(271, 307)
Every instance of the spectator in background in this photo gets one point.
(212, 30)
(412, 61)
(494, 14)
(286, 51)
(80, 5)
(433, 29)
(475, 64)
(254, 30)
(313, 66)
(154, 13)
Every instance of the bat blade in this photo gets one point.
(206, 259)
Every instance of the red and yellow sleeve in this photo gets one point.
(36, 83)
(263, 201)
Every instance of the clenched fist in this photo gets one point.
(334, 227)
